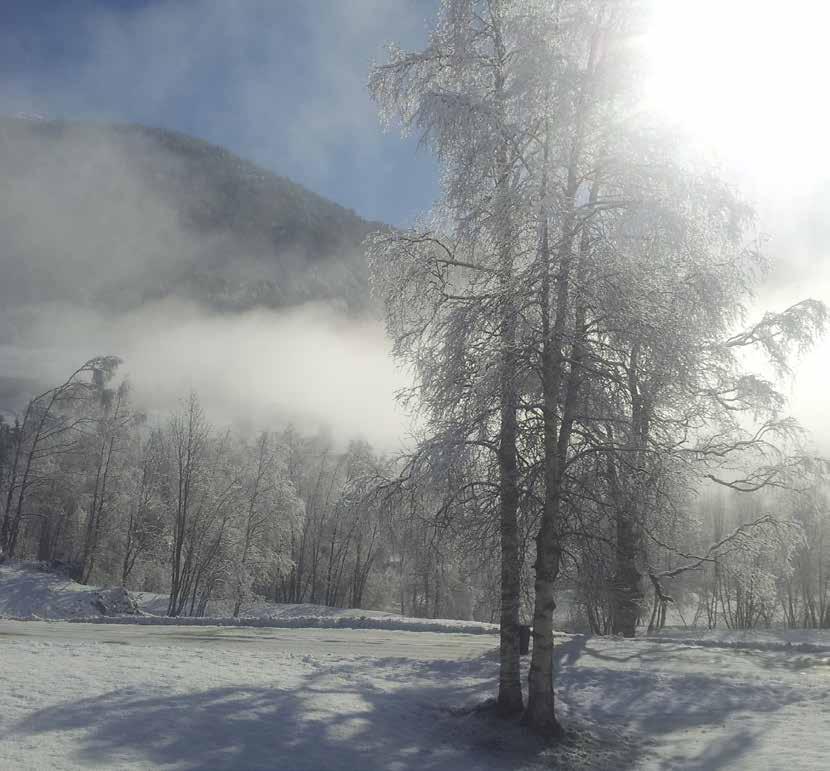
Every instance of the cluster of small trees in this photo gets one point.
(804, 591)
(763, 569)
(569, 311)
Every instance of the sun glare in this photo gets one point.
(749, 79)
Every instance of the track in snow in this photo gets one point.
(418, 646)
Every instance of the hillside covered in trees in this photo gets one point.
(116, 215)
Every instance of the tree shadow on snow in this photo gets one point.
(389, 723)
(787, 660)
(655, 703)
(411, 715)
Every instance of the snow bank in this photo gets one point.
(346, 621)
(156, 604)
(29, 591)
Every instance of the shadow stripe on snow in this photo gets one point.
(755, 645)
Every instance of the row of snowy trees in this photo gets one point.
(175, 505)
(294, 520)
(572, 312)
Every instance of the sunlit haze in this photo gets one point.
(746, 80)
(749, 79)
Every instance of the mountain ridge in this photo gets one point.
(176, 215)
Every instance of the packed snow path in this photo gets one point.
(418, 646)
(86, 695)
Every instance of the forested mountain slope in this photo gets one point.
(113, 216)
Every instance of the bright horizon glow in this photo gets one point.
(748, 78)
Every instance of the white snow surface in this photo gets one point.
(28, 592)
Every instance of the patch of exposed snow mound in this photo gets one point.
(28, 590)
(116, 602)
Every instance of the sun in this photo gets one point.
(749, 79)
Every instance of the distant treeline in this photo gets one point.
(181, 507)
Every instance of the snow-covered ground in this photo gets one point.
(213, 701)
(80, 695)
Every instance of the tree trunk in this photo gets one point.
(510, 700)
(628, 592)
(540, 713)
(541, 708)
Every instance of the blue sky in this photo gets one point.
(281, 82)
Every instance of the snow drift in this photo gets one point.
(29, 590)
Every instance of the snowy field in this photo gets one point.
(120, 696)
(373, 699)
